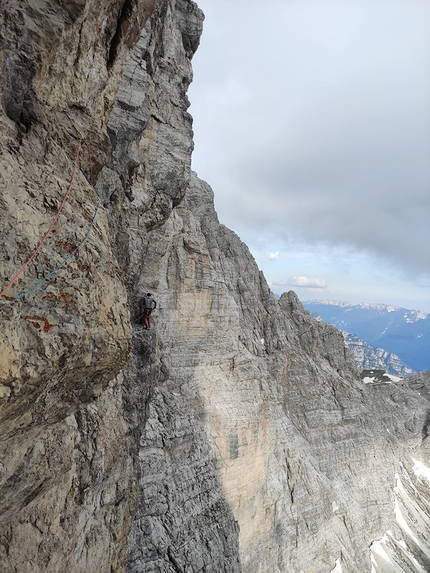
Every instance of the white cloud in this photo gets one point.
(274, 256)
(305, 282)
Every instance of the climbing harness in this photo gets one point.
(48, 232)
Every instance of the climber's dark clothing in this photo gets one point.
(149, 301)
(149, 304)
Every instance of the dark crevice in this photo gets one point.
(148, 61)
(173, 561)
(33, 494)
(124, 15)
(426, 427)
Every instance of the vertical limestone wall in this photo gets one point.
(66, 472)
(306, 454)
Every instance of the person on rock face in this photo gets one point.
(149, 304)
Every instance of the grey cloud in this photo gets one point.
(325, 133)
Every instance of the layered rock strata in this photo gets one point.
(235, 435)
(296, 437)
(66, 473)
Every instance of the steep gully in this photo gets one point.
(233, 436)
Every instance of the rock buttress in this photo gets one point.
(66, 472)
(307, 455)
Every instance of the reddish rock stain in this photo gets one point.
(36, 320)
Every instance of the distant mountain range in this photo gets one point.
(370, 357)
(396, 330)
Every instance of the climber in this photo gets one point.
(149, 304)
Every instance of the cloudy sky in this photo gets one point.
(312, 125)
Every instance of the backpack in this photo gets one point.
(147, 302)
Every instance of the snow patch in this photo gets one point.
(377, 547)
(383, 549)
(386, 379)
(412, 513)
(398, 513)
(420, 315)
(415, 315)
(421, 470)
(337, 567)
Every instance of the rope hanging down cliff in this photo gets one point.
(48, 232)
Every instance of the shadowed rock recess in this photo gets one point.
(235, 435)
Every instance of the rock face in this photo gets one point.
(235, 435)
(407, 546)
(66, 474)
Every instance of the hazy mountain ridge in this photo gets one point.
(368, 356)
(411, 314)
(397, 330)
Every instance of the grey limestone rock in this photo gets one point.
(295, 435)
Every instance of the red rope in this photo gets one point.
(48, 232)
